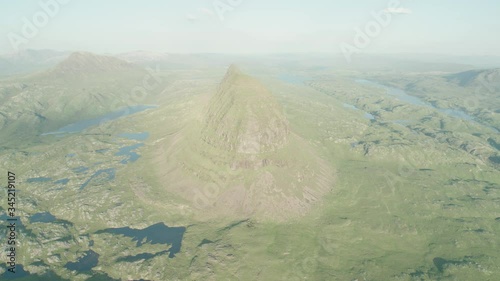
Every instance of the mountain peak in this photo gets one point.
(233, 70)
(79, 62)
(243, 116)
(245, 153)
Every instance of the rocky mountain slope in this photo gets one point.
(244, 117)
(240, 159)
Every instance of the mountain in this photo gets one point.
(143, 56)
(31, 56)
(243, 116)
(85, 63)
(81, 68)
(83, 86)
(30, 60)
(241, 159)
(475, 78)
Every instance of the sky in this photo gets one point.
(452, 27)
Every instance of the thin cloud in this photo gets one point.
(398, 11)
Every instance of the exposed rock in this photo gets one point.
(243, 160)
(244, 117)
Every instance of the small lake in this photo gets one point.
(366, 114)
(395, 92)
(84, 124)
(62, 181)
(89, 260)
(100, 176)
(128, 151)
(40, 179)
(44, 217)
(494, 144)
(19, 223)
(494, 159)
(80, 169)
(155, 234)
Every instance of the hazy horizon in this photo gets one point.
(257, 27)
(463, 62)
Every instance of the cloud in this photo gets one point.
(398, 11)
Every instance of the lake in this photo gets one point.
(155, 234)
(80, 169)
(62, 181)
(128, 151)
(20, 273)
(84, 124)
(403, 96)
(109, 174)
(366, 114)
(89, 260)
(45, 217)
(39, 179)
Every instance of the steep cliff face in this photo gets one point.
(244, 117)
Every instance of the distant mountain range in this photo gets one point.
(477, 78)
(30, 60)
(83, 62)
